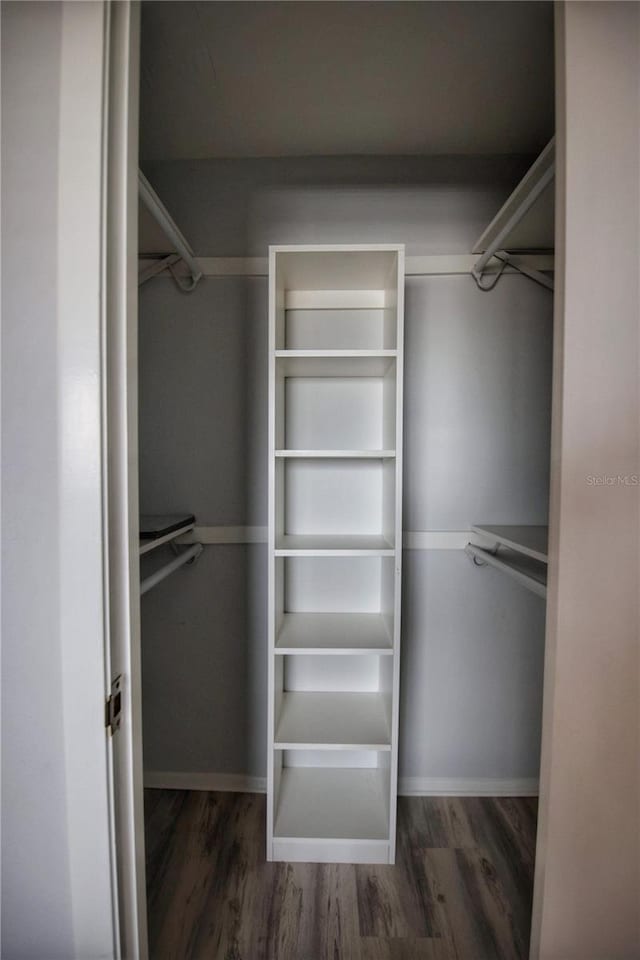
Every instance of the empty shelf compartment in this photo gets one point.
(341, 633)
(333, 803)
(366, 325)
(333, 721)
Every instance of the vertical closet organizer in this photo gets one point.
(335, 546)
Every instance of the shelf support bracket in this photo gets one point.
(156, 208)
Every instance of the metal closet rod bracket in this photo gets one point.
(505, 260)
(161, 215)
(471, 549)
(188, 556)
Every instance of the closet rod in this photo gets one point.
(154, 205)
(437, 265)
(191, 554)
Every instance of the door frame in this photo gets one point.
(121, 506)
(120, 436)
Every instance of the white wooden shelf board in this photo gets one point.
(333, 545)
(333, 633)
(147, 545)
(337, 454)
(526, 219)
(331, 300)
(332, 721)
(527, 571)
(335, 363)
(332, 804)
(529, 540)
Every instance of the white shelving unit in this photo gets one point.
(335, 542)
(157, 531)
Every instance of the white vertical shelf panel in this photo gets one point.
(335, 482)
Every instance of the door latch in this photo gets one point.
(113, 707)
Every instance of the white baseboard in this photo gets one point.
(465, 787)
(407, 786)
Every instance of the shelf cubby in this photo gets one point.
(333, 804)
(349, 501)
(327, 405)
(311, 720)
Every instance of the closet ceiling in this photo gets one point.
(269, 79)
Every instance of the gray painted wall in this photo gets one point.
(477, 411)
(235, 208)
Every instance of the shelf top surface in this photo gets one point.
(333, 544)
(334, 363)
(158, 530)
(333, 720)
(529, 540)
(328, 632)
(332, 804)
(153, 526)
(337, 454)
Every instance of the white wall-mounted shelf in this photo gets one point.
(519, 551)
(532, 541)
(156, 531)
(159, 530)
(526, 221)
(342, 804)
(335, 546)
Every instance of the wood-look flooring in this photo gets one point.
(460, 890)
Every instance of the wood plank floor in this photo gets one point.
(460, 890)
